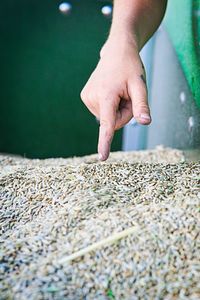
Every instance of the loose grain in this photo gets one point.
(50, 209)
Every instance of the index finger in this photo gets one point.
(107, 128)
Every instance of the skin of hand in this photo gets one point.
(116, 91)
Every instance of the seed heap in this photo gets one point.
(50, 209)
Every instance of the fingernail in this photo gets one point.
(145, 117)
(100, 156)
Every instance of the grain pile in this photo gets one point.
(52, 208)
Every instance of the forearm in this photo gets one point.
(116, 91)
(137, 20)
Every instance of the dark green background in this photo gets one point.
(45, 59)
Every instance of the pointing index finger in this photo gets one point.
(106, 129)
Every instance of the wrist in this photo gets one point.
(120, 42)
(125, 31)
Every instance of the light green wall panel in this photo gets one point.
(182, 21)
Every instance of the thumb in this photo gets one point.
(107, 128)
(139, 99)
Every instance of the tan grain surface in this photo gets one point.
(50, 209)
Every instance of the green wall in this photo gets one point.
(45, 58)
(182, 21)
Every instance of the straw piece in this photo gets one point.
(105, 242)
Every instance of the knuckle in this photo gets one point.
(83, 95)
(142, 105)
(102, 92)
(99, 96)
(141, 101)
(86, 98)
(111, 96)
(141, 90)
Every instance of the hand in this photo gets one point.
(116, 91)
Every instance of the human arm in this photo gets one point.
(116, 91)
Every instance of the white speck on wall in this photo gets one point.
(106, 10)
(65, 8)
